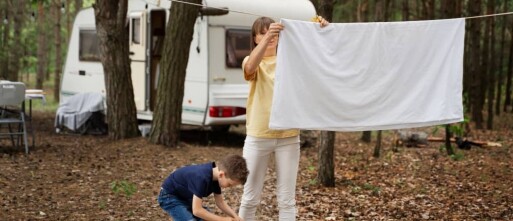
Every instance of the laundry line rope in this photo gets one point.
(248, 13)
(224, 9)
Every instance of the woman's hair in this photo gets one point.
(260, 26)
(234, 167)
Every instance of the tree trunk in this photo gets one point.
(113, 42)
(491, 70)
(449, 10)
(362, 12)
(448, 135)
(68, 18)
(326, 9)
(4, 54)
(167, 117)
(365, 8)
(406, 10)
(431, 8)
(500, 66)
(326, 172)
(507, 101)
(485, 70)
(381, 15)
(378, 10)
(41, 45)
(15, 52)
(386, 10)
(377, 148)
(366, 136)
(12, 53)
(58, 52)
(475, 90)
(78, 6)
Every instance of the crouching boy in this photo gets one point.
(182, 192)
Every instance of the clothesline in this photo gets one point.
(491, 15)
(247, 13)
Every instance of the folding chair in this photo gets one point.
(12, 114)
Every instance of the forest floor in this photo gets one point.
(74, 177)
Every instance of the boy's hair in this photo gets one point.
(260, 25)
(235, 168)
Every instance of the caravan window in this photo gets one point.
(237, 47)
(136, 30)
(88, 46)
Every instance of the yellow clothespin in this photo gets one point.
(316, 18)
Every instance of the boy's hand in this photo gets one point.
(238, 219)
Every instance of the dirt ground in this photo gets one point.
(72, 177)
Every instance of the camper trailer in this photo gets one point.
(215, 90)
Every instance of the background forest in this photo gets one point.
(34, 36)
(68, 177)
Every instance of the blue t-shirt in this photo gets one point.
(192, 180)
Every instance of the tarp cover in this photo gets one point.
(75, 111)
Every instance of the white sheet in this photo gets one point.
(368, 76)
(74, 112)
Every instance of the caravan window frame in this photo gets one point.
(136, 33)
(93, 50)
(235, 49)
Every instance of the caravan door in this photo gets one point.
(137, 38)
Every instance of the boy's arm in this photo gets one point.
(225, 208)
(199, 211)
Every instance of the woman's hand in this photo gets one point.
(319, 19)
(274, 30)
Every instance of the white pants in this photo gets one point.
(257, 152)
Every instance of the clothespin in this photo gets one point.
(316, 18)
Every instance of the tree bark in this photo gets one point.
(14, 51)
(326, 170)
(491, 70)
(377, 148)
(167, 117)
(507, 101)
(378, 10)
(381, 7)
(449, 10)
(41, 45)
(58, 51)
(475, 89)
(326, 173)
(78, 6)
(406, 10)
(326, 9)
(448, 135)
(68, 18)
(386, 10)
(366, 136)
(4, 54)
(113, 40)
(500, 66)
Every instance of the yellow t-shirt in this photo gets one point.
(258, 108)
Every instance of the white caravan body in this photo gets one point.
(215, 89)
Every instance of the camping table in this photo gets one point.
(32, 94)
